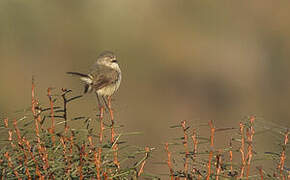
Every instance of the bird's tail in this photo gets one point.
(86, 78)
(78, 74)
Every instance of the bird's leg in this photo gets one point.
(99, 103)
(105, 101)
(110, 109)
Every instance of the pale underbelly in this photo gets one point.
(109, 90)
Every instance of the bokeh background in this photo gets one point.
(181, 60)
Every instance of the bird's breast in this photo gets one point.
(109, 90)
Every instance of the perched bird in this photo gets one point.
(104, 77)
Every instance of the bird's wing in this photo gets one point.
(103, 77)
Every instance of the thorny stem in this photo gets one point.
(65, 154)
(21, 145)
(26, 142)
(209, 165)
(80, 167)
(115, 145)
(218, 165)
(195, 141)
(212, 130)
(10, 133)
(10, 164)
(242, 149)
(185, 141)
(17, 132)
(261, 172)
(90, 139)
(36, 115)
(37, 118)
(33, 103)
(101, 124)
(98, 156)
(283, 153)
(250, 134)
(231, 156)
(169, 161)
(6, 122)
(96, 161)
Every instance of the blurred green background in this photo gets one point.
(181, 60)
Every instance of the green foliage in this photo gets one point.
(41, 144)
(37, 148)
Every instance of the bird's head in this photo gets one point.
(108, 58)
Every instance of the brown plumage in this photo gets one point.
(104, 77)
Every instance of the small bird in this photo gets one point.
(104, 77)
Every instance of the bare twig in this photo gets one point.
(51, 130)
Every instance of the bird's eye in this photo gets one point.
(114, 61)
